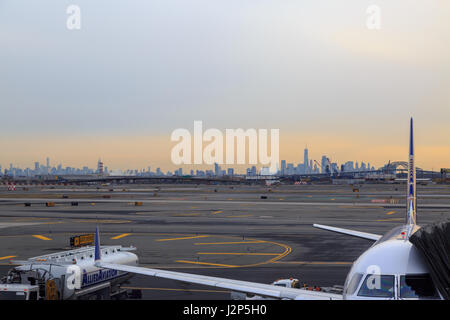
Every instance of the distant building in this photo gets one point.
(217, 169)
(363, 166)
(283, 167)
(100, 167)
(324, 164)
(348, 166)
(290, 169)
(305, 161)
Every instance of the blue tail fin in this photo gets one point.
(97, 253)
(411, 200)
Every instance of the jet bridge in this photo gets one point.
(433, 241)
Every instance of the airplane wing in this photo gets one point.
(261, 289)
(354, 233)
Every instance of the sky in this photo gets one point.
(137, 70)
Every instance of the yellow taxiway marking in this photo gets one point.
(393, 219)
(234, 242)
(120, 236)
(208, 263)
(215, 212)
(241, 253)
(7, 257)
(391, 212)
(243, 216)
(172, 289)
(30, 219)
(41, 237)
(183, 238)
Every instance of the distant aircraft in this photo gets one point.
(392, 268)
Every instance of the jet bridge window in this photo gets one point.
(378, 286)
(413, 286)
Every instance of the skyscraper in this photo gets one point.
(216, 169)
(100, 167)
(324, 164)
(306, 160)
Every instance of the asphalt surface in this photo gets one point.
(213, 230)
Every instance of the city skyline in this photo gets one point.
(125, 152)
(306, 166)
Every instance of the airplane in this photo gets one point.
(391, 269)
(52, 276)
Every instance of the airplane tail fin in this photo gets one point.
(411, 208)
(97, 252)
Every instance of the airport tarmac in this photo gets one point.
(252, 233)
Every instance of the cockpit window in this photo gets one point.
(417, 286)
(380, 286)
(353, 284)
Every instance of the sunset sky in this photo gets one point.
(137, 70)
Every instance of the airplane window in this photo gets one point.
(417, 286)
(280, 285)
(383, 289)
(353, 284)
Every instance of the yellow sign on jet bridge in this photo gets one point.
(82, 240)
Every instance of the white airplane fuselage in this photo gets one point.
(387, 262)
